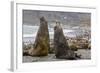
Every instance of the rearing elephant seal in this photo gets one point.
(41, 44)
(62, 49)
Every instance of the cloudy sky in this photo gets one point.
(31, 17)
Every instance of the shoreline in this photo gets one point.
(85, 54)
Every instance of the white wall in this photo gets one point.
(5, 35)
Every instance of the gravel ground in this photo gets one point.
(85, 54)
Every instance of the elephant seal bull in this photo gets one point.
(62, 50)
(41, 44)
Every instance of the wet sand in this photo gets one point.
(85, 54)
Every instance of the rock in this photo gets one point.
(73, 47)
(26, 49)
(61, 46)
(41, 44)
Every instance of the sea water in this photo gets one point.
(30, 32)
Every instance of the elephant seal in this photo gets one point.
(62, 50)
(41, 44)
